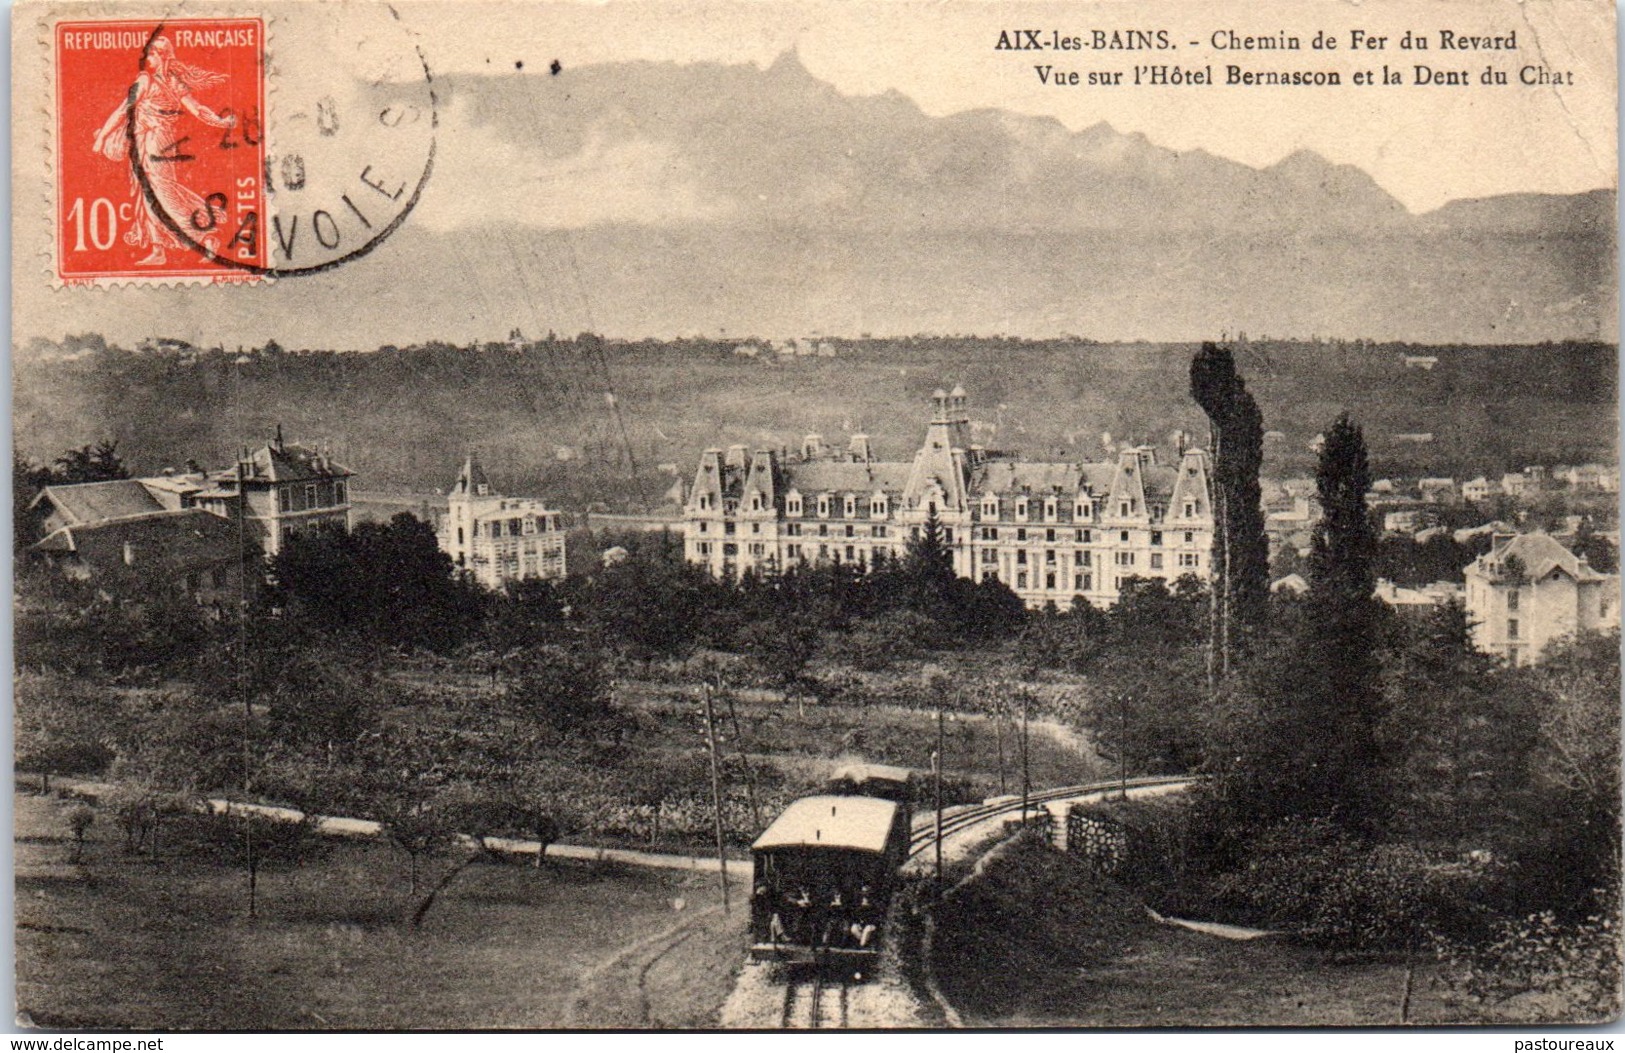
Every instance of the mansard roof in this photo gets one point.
(811, 477)
(1540, 554)
(279, 462)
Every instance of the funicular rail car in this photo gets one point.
(825, 871)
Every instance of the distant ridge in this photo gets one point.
(669, 199)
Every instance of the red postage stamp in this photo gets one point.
(160, 149)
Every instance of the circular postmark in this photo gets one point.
(346, 141)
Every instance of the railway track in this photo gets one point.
(815, 1001)
(925, 832)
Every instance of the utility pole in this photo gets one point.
(242, 674)
(739, 747)
(1026, 772)
(998, 737)
(1122, 746)
(716, 791)
(936, 765)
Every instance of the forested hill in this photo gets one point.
(537, 412)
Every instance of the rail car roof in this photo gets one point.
(865, 772)
(857, 823)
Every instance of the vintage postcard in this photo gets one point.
(758, 514)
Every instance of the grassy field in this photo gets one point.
(1038, 941)
(122, 942)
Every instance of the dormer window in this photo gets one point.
(792, 505)
(990, 508)
(1049, 509)
(1125, 507)
(877, 508)
(1021, 509)
(1190, 509)
(823, 506)
(755, 502)
(850, 508)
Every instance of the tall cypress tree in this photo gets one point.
(1341, 699)
(1240, 559)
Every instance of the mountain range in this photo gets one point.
(656, 199)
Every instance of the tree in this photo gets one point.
(1297, 735)
(390, 583)
(566, 689)
(1341, 702)
(1240, 559)
(91, 464)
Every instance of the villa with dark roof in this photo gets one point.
(1051, 531)
(182, 527)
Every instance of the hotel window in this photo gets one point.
(850, 553)
(1082, 582)
(793, 506)
(1021, 509)
(1512, 628)
(851, 531)
(1190, 537)
(851, 507)
(990, 533)
(530, 526)
(990, 508)
(823, 507)
(1049, 509)
(1021, 580)
(757, 548)
(756, 528)
(881, 531)
(823, 530)
(730, 549)
(1125, 559)
(703, 548)
(1156, 537)
(755, 502)
(1049, 580)
(728, 528)
(792, 529)
(1083, 557)
(1156, 561)
(1049, 555)
(1189, 559)
(948, 536)
(285, 498)
(1021, 557)
(1512, 600)
(989, 556)
(1122, 536)
(793, 551)
(1021, 533)
(703, 528)
(1190, 509)
(1081, 510)
(1085, 536)
(1049, 535)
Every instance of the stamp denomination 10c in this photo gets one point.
(160, 150)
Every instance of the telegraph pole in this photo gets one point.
(936, 764)
(1026, 773)
(716, 791)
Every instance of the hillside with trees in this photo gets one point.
(403, 417)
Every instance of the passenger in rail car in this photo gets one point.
(800, 904)
(864, 918)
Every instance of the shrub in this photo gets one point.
(1559, 971)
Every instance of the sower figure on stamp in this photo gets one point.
(161, 93)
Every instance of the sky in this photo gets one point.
(1425, 145)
